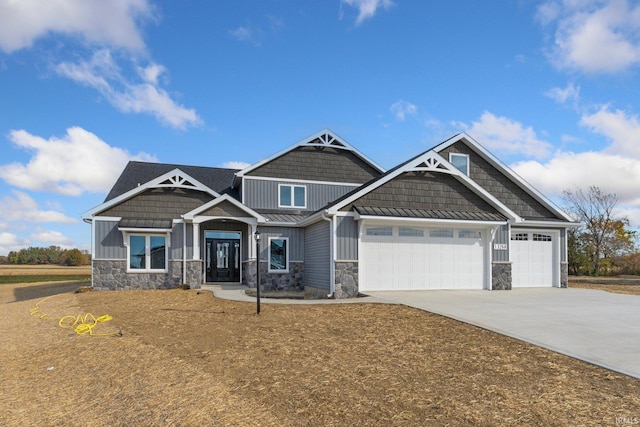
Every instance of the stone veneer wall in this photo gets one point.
(501, 276)
(564, 274)
(111, 275)
(346, 279)
(291, 281)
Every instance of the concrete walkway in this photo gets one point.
(598, 327)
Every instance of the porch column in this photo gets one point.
(252, 243)
(196, 240)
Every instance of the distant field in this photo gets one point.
(43, 273)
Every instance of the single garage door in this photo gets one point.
(412, 258)
(532, 257)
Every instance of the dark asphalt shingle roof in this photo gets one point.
(138, 173)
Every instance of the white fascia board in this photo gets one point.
(506, 169)
(429, 221)
(189, 216)
(144, 230)
(543, 224)
(303, 142)
(154, 183)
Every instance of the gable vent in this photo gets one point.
(176, 181)
(326, 139)
(429, 164)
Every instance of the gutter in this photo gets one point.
(332, 266)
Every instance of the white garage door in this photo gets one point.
(532, 256)
(411, 258)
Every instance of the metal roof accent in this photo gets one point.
(429, 214)
(158, 224)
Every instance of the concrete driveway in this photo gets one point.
(595, 326)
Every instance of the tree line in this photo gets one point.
(53, 255)
(604, 243)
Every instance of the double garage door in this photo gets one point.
(412, 258)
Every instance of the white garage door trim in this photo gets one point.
(534, 258)
(415, 257)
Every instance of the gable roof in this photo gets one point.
(505, 170)
(174, 178)
(429, 161)
(325, 138)
(138, 173)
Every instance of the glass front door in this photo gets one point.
(222, 260)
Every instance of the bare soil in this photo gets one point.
(629, 285)
(187, 358)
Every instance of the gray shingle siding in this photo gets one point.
(500, 185)
(159, 203)
(425, 190)
(346, 238)
(261, 194)
(318, 164)
(225, 209)
(317, 268)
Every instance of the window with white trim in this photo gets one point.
(520, 236)
(410, 232)
(379, 231)
(292, 196)
(147, 252)
(442, 232)
(278, 254)
(460, 161)
(469, 234)
(541, 237)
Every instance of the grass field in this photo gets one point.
(43, 273)
(187, 358)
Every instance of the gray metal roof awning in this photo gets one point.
(429, 214)
(136, 223)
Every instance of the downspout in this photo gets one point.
(184, 250)
(93, 245)
(332, 265)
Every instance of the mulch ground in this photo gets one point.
(187, 358)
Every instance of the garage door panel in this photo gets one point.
(420, 259)
(532, 256)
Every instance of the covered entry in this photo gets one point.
(222, 256)
(418, 258)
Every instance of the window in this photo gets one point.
(520, 236)
(443, 232)
(379, 231)
(292, 196)
(410, 232)
(469, 234)
(278, 255)
(460, 161)
(147, 252)
(541, 237)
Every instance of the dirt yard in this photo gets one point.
(618, 285)
(186, 358)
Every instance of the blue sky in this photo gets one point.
(550, 87)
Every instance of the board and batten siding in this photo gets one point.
(108, 240)
(296, 241)
(317, 262)
(346, 238)
(263, 194)
(500, 244)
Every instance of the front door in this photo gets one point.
(222, 260)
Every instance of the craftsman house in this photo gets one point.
(331, 222)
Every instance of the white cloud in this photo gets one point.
(506, 135)
(10, 242)
(112, 23)
(52, 238)
(78, 162)
(569, 94)
(245, 34)
(103, 74)
(21, 207)
(621, 128)
(367, 8)
(402, 108)
(235, 165)
(593, 36)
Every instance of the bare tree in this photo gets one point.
(600, 235)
